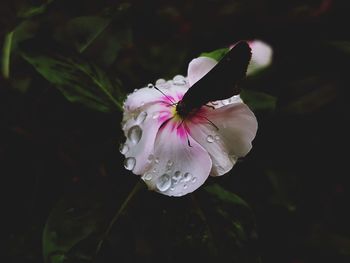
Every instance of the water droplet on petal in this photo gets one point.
(194, 179)
(179, 80)
(150, 157)
(123, 148)
(150, 85)
(164, 182)
(176, 177)
(160, 81)
(147, 176)
(129, 163)
(225, 102)
(135, 134)
(217, 137)
(156, 160)
(210, 138)
(141, 117)
(185, 186)
(187, 177)
(172, 188)
(169, 163)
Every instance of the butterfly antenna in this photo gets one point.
(173, 102)
(188, 141)
(210, 122)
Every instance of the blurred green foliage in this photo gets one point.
(69, 197)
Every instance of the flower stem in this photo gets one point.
(136, 188)
(6, 53)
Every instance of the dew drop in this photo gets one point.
(150, 85)
(135, 134)
(169, 164)
(179, 80)
(187, 177)
(141, 117)
(210, 138)
(129, 163)
(160, 82)
(156, 160)
(123, 148)
(194, 179)
(172, 188)
(150, 158)
(176, 177)
(185, 186)
(217, 137)
(225, 102)
(164, 182)
(147, 176)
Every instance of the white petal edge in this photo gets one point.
(173, 156)
(198, 67)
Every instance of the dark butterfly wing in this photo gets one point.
(221, 81)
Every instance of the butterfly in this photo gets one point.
(221, 82)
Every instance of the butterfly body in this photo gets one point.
(221, 82)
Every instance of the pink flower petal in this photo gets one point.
(198, 67)
(177, 168)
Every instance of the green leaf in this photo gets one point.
(84, 30)
(94, 36)
(259, 101)
(225, 195)
(78, 80)
(100, 37)
(210, 225)
(216, 54)
(75, 218)
(27, 10)
(81, 221)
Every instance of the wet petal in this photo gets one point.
(177, 168)
(198, 67)
(220, 103)
(237, 127)
(168, 93)
(209, 138)
(141, 132)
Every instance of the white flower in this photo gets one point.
(175, 156)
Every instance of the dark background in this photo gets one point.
(60, 165)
